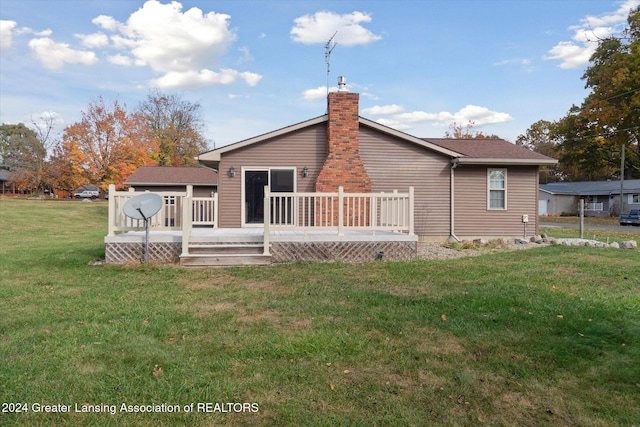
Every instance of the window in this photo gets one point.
(634, 199)
(497, 189)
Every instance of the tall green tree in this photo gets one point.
(540, 137)
(24, 154)
(177, 125)
(591, 136)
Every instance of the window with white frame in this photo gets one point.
(634, 199)
(497, 189)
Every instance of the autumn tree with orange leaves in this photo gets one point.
(106, 146)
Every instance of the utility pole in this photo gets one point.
(622, 181)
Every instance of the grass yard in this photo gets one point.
(541, 337)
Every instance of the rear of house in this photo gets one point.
(464, 189)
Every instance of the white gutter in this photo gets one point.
(452, 197)
(496, 161)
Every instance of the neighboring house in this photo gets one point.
(464, 189)
(602, 198)
(174, 178)
(8, 187)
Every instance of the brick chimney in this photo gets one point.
(343, 166)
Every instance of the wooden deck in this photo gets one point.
(210, 247)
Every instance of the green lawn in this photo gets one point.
(541, 337)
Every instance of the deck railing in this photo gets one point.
(203, 212)
(338, 211)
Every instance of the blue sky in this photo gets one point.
(257, 66)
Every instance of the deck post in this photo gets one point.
(187, 220)
(215, 210)
(411, 211)
(340, 211)
(267, 220)
(112, 210)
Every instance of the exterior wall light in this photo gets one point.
(232, 172)
(305, 172)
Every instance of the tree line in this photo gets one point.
(589, 141)
(105, 146)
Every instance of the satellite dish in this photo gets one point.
(143, 206)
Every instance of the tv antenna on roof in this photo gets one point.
(328, 48)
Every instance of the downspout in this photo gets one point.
(454, 164)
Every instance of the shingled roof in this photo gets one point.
(487, 151)
(164, 175)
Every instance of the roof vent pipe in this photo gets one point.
(342, 84)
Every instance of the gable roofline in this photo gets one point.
(215, 155)
(437, 145)
(407, 137)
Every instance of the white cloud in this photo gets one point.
(182, 46)
(480, 116)
(383, 109)
(106, 22)
(577, 52)
(6, 34)
(120, 60)
(319, 27)
(54, 55)
(94, 40)
(317, 93)
(195, 79)
(396, 124)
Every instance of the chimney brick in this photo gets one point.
(343, 165)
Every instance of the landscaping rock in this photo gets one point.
(629, 244)
(614, 245)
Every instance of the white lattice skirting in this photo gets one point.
(343, 251)
(122, 253)
(169, 252)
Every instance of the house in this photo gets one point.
(464, 189)
(335, 187)
(174, 178)
(7, 186)
(602, 198)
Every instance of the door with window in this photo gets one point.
(280, 180)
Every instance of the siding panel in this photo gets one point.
(393, 164)
(473, 219)
(306, 147)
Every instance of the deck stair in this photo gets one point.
(219, 254)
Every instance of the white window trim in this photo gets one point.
(267, 169)
(489, 189)
(630, 199)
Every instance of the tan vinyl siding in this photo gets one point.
(393, 164)
(474, 219)
(306, 147)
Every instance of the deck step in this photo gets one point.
(238, 248)
(220, 260)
